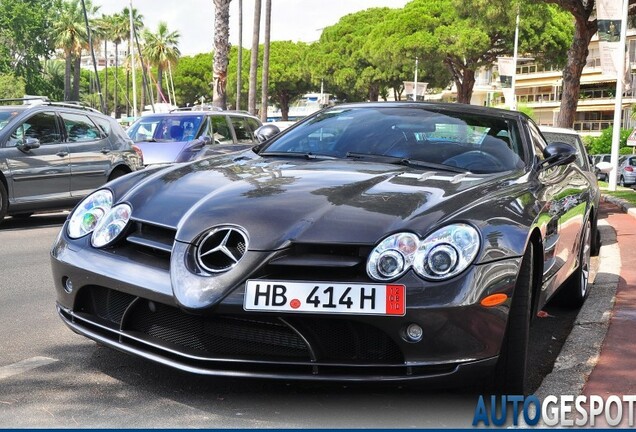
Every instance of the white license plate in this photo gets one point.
(324, 297)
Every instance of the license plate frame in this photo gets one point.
(334, 298)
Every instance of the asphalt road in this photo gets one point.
(53, 378)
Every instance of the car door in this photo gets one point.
(90, 153)
(566, 206)
(39, 173)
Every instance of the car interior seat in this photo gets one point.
(176, 132)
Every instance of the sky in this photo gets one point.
(296, 20)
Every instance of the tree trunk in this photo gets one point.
(221, 52)
(251, 97)
(115, 82)
(465, 83)
(106, 75)
(283, 101)
(265, 83)
(76, 78)
(239, 60)
(67, 76)
(160, 97)
(374, 92)
(577, 56)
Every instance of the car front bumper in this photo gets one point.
(129, 306)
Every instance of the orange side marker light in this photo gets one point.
(494, 300)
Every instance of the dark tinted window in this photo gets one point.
(42, 126)
(79, 128)
(221, 132)
(242, 130)
(471, 141)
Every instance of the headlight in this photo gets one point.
(442, 255)
(111, 226)
(446, 252)
(89, 212)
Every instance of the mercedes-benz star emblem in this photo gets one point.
(221, 249)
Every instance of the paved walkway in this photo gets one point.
(615, 371)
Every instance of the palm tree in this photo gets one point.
(256, 29)
(118, 26)
(239, 60)
(138, 24)
(71, 36)
(161, 49)
(265, 83)
(101, 32)
(221, 51)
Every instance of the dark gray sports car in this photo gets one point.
(380, 241)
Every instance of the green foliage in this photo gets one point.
(526, 110)
(11, 86)
(26, 37)
(603, 143)
(192, 79)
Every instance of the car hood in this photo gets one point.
(315, 201)
(161, 152)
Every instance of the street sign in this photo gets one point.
(631, 139)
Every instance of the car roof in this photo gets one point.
(454, 107)
(186, 113)
(554, 129)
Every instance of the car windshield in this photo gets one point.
(5, 117)
(423, 137)
(165, 128)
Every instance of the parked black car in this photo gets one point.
(377, 241)
(52, 155)
(182, 136)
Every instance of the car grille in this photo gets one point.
(308, 342)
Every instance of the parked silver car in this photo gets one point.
(182, 136)
(626, 175)
(53, 154)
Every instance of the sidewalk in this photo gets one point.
(615, 371)
(599, 356)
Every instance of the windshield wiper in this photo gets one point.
(307, 155)
(395, 160)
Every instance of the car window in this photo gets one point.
(42, 126)
(6, 117)
(103, 124)
(464, 140)
(538, 142)
(79, 128)
(221, 133)
(242, 130)
(253, 124)
(165, 128)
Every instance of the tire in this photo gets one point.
(117, 172)
(596, 242)
(621, 182)
(577, 287)
(4, 202)
(510, 372)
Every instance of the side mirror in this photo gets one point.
(29, 144)
(605, 167)
(266, 132)
(558, 153)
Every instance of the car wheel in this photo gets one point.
(510, 372)
(578, 287)
(621, 182)
(4, 202)
(117, 172)
(596, 242)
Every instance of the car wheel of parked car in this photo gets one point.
(3, 202)
(596, 243)
(510, 373)
(578, 288)
(117, 172)
(621, 182)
